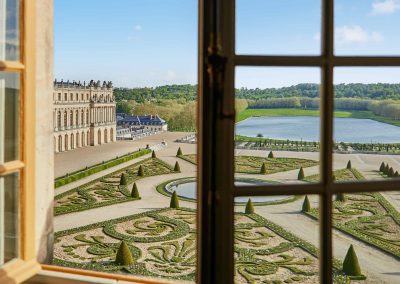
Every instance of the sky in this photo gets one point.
(138, 43)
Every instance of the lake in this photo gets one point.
(306, 128)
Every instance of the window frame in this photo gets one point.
(223, 60)
(25, 265)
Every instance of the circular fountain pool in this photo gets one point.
(186, 189)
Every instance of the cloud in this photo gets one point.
(385, 7)
(356, 34)
(138, 28)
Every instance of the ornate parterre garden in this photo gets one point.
(253, 164)
(367, 216)
(108, 190)
(162, 243)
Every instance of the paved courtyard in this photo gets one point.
(380, 267)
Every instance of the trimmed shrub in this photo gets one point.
(135, 191)
(140, 171)
(350, 264)
(340, 197)
(333, 178)
(306, 205)
(391, 172)
(348, 165)
(174, 201)
(179, 152)
(386, 171)
(382, 167)
(124, 255)
(263, 169)
(300, 176)
(177, 168)
(271, 155)
(153, 154)
(396, 174)
(249, 207)
(123, 181)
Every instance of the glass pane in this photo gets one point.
(278, 27)
(367, 27)
(367, 235)
(276, 242)
(9, 116)
(9, 218)
(122, 144)
(277, 128)
(9, 30)
(367, 131)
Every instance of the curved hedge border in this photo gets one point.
(161, 189)
(61, 181)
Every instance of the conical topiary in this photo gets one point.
(391, 172)
(333, 178)
(177, 168)
(249, 207)
(340, 197)
(396, 174)
(350, 264)
(306, 205)
(122, 180)
(124, 255)
(386, 171)
(300, 176)
(135, 191)
(174, 201)
(153, 154)
(271, 155)
(140, 171)
(348, 165)
(179, 152)
(263, 169)
(382, 167)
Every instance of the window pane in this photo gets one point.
(125, 144)
(9, 116)
(367, 132)
(278, 27)
(9, 217)
(276, 242)
(9, 30)
(367, 235)
(277, 129)
(367, 27)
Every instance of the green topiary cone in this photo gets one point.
(177, 168)
(271, 155)
(249, 207)
(300, 176)
(348, 165)
(124, 255)
(350, 264)
(123, 181)
(135, 191)
(396, 174)
(153, 154)
(140, 171)
(263, 169)
(340, 197)
(306, 205)
(174, 201)
(179, 152)
(386, 171)
(382, 167)
(391, 172)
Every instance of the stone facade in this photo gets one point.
(83, 114)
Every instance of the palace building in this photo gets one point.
(83, 114)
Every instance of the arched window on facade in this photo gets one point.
(83, 139)
(71, 118)
(105, 136)
(82, 118)
(65, 119)
(87, 116)
(66, 142)
(58, 119)
(88, 138)
(77, 118)
(72, 141)
(77, 140)
(112, 135)
(60, 149)
(99, 137)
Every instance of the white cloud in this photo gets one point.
(356, 34)
(138, 28)
(385, 7)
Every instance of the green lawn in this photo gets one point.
(312, 112)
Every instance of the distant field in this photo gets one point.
(311, 112)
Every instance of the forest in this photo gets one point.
(176, 103)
